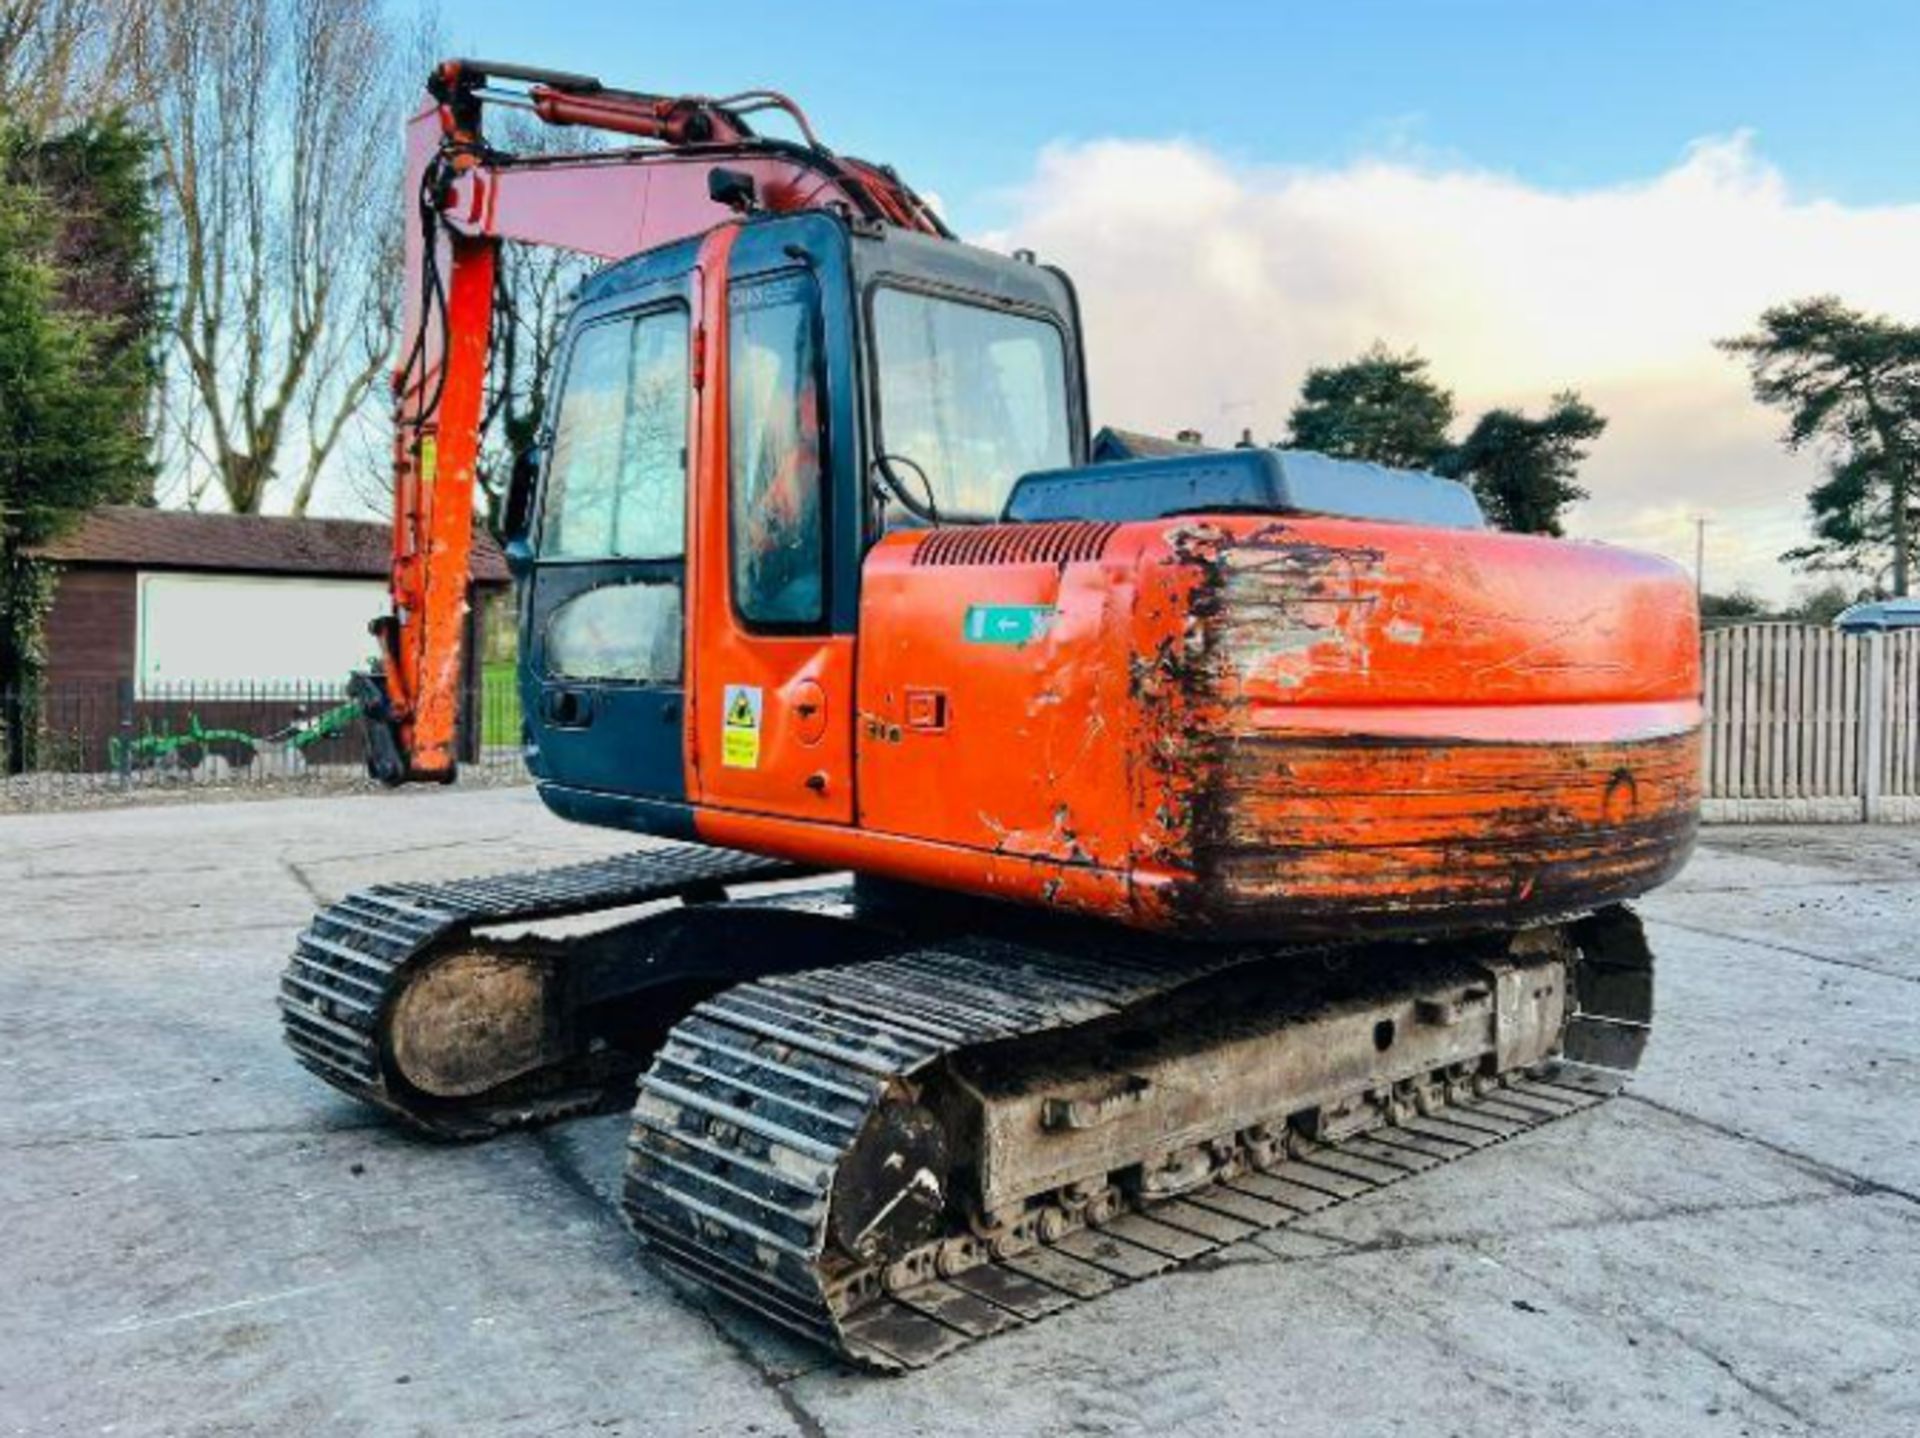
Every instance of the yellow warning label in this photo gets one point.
(740, 731)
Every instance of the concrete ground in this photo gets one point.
(197, 1237)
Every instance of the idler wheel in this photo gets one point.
(473, 1021)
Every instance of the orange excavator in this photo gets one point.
(1059, 870)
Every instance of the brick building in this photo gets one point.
(157, 611)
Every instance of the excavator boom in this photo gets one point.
(700, 163)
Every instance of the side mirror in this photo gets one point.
(517, 519)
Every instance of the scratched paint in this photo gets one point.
(1335, 826)
(1258, 727)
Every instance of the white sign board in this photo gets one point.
(243, 630)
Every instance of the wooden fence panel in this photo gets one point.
(1784, 717)
(1849, 711)
(1806, 718)
(1900, 714)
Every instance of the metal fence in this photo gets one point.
(1807, 723)
(67, 738)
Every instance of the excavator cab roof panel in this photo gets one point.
(1278, 481)
(640, 270)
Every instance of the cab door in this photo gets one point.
(603, 633)
(778, 526)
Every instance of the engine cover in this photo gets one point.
(1262, 726)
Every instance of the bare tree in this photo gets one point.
(66, 60)
(535, 286)
(278, 126)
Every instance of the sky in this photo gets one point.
(1534, 196)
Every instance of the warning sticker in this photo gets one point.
(740, 729)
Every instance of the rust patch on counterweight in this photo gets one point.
(1373, 830)
(1231, 591)
(1417, 835)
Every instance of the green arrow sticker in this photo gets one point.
(1007, 623)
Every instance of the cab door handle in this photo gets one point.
(568, 708)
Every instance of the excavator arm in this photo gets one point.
(696, 163)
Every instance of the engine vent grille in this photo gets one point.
(1065, 542)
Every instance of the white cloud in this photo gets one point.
(1210, 287)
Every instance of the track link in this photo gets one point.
(760, 1094)
(356, 956)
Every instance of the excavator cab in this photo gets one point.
(739, 419)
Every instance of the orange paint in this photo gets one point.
(1265, 727)
(803, 750)
(433, 519)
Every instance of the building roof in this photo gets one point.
(244, 544)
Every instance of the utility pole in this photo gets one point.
(1699, 556)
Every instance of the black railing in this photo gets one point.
(112, 735)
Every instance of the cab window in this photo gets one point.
(625, 632)
(776, 447)
(616, 482)
(971, 398)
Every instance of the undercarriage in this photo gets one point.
(897, 1131)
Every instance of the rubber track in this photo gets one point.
(752, 1102)
(356, 955)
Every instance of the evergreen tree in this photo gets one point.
(97, 179)
(1523, 469)
(1850, 383)
(76, 370)
(1381, 407)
